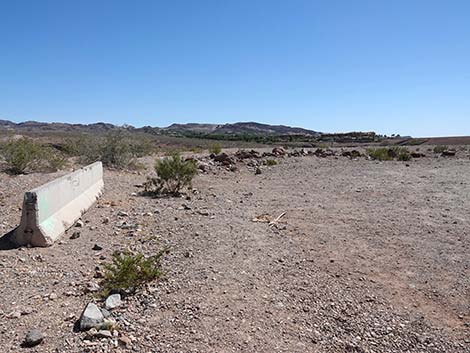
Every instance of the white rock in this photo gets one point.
(113, 301)
(91, 317)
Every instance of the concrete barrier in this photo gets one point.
(49, 210)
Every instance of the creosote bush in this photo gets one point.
(380, 154)
(403, 155)
(117, 149)
(215, 148)
(173, 174)
(440, 149)
(25, 155)
(389, 153)
(128, 272)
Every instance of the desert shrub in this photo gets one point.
(403, 155)
(215, 148)
(381, 154)
(388, 154)
(355, 154)
(173, 174)
(128, 272)
(24, 155)
(117, 149)
(271, 162)
(440, 149)
(54, 159)
(141, 146)
(196, 149)
(72, 146)
(21, 155)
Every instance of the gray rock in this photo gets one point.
(33, 338)
(105, 313)
(91, 317)
(75, 235)
(97, 247)
(113, 301)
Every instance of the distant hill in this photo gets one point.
(35, 126)
(183, 129)
(239, 129)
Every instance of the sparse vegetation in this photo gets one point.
(117, 149)
(196, 149)
(389, 153)
(173, 174)
(403, 155)
(415, 142)
(215, 148)
(128, 272)
(440, 149)
(380, 154)
(26, 155)
(271, 162)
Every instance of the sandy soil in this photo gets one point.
(369, 257)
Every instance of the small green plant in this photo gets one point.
(440, 149)
(128, 272)
(271, 162)
(215, 148)
(173, 174)
(25, 155)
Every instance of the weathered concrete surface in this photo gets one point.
(49, 210)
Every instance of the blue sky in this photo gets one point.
(400, 66)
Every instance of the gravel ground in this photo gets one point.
(369, 257)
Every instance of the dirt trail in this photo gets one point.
(370, 257)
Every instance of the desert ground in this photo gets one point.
(368, 257)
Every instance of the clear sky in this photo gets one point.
(392, 66)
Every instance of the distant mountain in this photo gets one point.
(7, 124)
(240, 128)
(251, 128)
(247, 131)
(35, 126)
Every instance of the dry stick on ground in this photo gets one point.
(273, 223)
